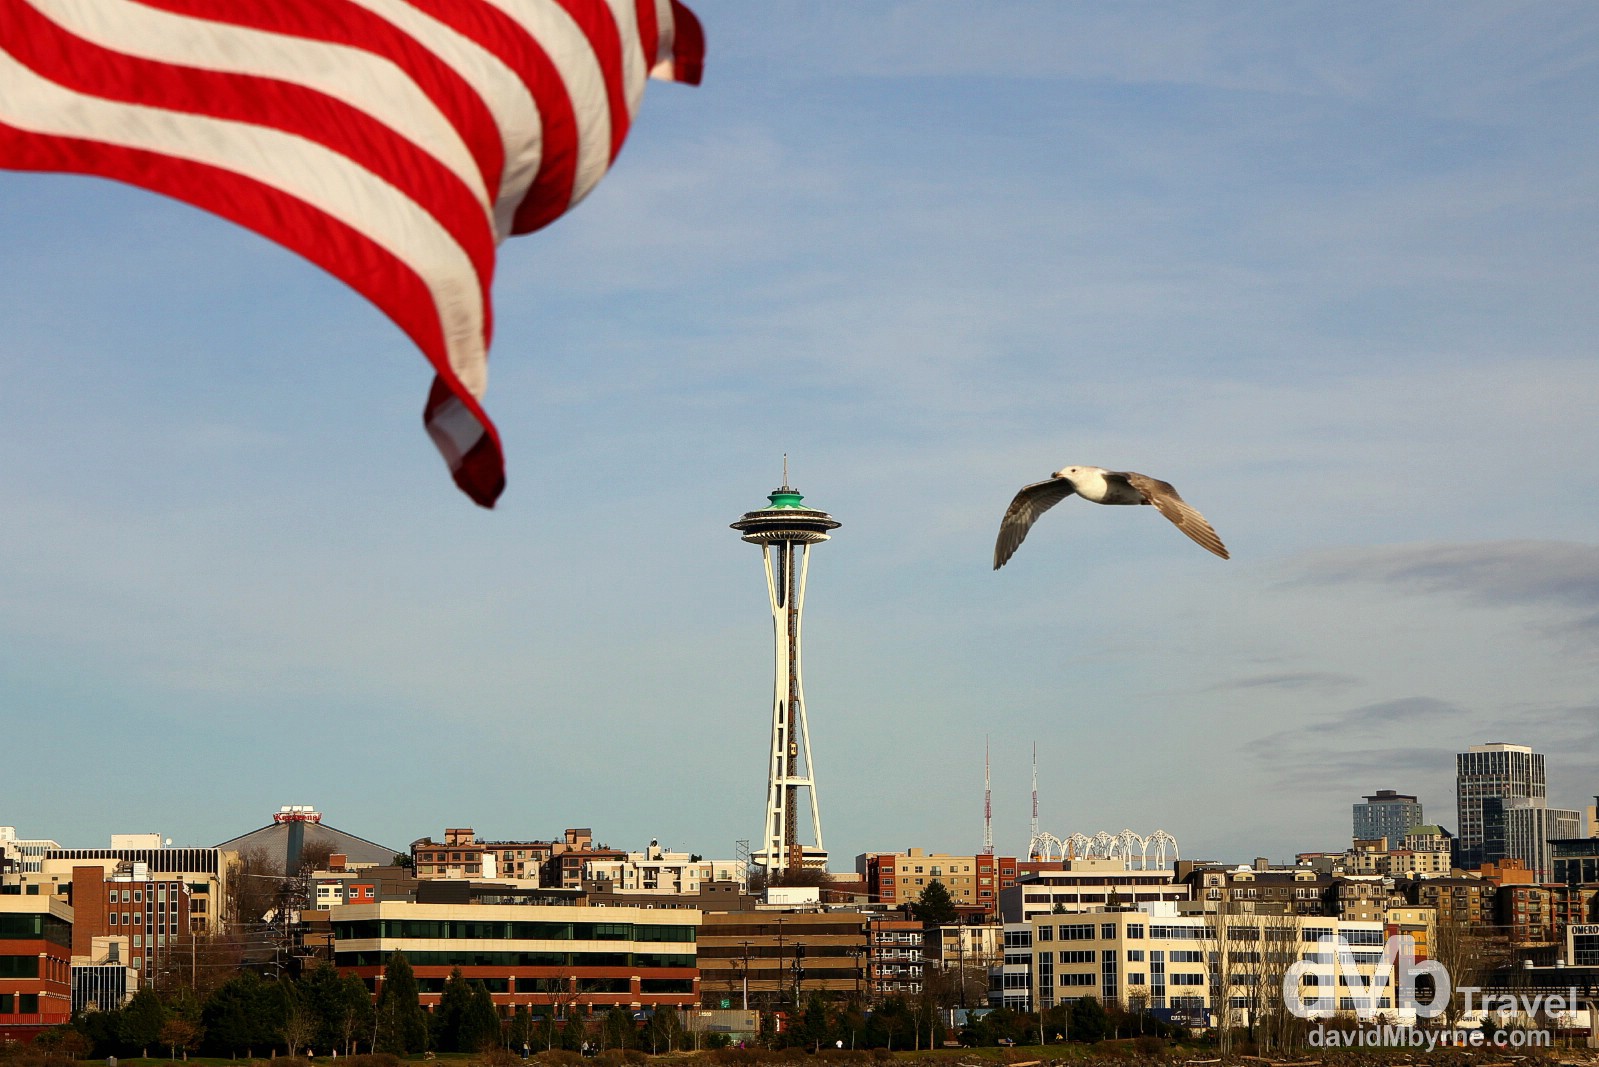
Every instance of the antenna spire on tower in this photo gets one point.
(1034, 836)
(988, 806)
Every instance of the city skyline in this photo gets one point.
(1328, 269)
(838, 862)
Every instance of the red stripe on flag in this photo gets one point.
(345, 23)
(478, 469)
(649, 33)
(599, 27)
(688, 45)
(550, 193)
(83, 67)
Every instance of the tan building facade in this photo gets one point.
(896, 878)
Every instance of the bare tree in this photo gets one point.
(1230, 950)
(1468, 953)
(314, 856)
(1260, 949)
(252, 886)
(299, 1025)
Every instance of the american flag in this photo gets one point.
(394, 143)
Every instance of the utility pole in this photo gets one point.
(746, 945)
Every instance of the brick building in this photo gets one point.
(35, 965)
(974, 882)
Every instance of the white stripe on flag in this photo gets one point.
(572, 55)
(358, 78)
(454, 430)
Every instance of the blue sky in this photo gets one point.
(1329, 268)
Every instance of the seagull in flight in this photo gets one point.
(1102, 487)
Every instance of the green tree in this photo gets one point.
(64, 1040)
(813, 1026)
(891, 1026)
(449, 1017)
(340, 1004)
(100, 1027)
(181, 1033)
(480, 1027)
(519, 1036)
(139, 1025)
(1089, 1021)
(244, 1014)
(401, 1026)
(934, 907)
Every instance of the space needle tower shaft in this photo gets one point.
(785, 530)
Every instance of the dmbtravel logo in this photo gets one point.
(1367, 994)
(1331, 982)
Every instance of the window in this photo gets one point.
(1135, 978)
(1107, 931)
(1135, 932)
(1046, 933)
(1135, 955)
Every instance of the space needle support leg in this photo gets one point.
(804, 722)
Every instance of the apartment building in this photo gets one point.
(1386, 813)
(1455, 900)
(974, 882)
(657, 871)
(894, 958)
(462, 855)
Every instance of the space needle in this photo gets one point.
(785, 530)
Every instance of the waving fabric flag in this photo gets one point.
(394, 143)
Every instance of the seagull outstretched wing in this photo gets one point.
(1165, 498)
(1031, 502)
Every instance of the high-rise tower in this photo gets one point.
(1389, 814)
(1493, 770)
(785, 530)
